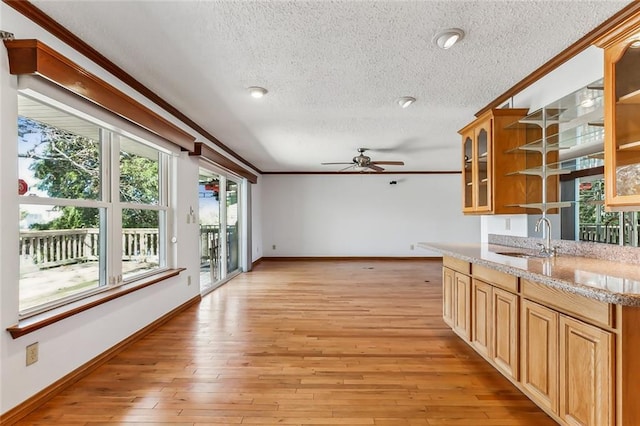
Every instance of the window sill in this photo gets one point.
(36, 322)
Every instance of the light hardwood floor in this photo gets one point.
(302, 343)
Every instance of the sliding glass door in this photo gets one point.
(233, 227)
(209, 200)
(220, 228)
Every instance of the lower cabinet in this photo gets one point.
(447, 295)
(456, 302)
(567, 366)
(564, 364)
(586, 374)
(505, 332)
(539, 354)
(462, 305)
(481, 319)
(494, 326)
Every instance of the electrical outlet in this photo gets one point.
(507, 224)
(32, 353)
(412, 247)
(188, 279)
(273, 247)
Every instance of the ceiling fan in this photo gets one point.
(364, 162)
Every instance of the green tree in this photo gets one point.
(67, 165)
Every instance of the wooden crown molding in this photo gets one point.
(404, 172)
(49, 24)
(208, 153)
(35, 57)
(602, 30)
(627, 28)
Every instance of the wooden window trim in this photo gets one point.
(44, 319)
(205, 151)
(34, 57)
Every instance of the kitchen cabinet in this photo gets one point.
(481, 319)
(586, 374)
(557, 347)
(539, 360)
(622, 116)
(488, 187)
(567, 366)
(505, 332)
(456, 292)
(448, 276)
(494, 328)
(462, 305)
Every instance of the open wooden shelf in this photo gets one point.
(630, 98)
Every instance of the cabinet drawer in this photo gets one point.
(457, 264)
(496, 278)
(590, 310)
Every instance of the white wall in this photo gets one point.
(66, 345)
(362, 214)
(515, 225)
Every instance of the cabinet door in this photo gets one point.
(539, 354)
(468, 170)
(482, 176)
(586, 374)
(462, 306)
(622, 122)
(481, 318)
(505, 332)
(447, 295)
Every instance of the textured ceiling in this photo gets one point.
(334, 69)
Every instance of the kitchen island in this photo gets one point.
(565, 330)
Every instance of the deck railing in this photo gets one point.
(48, 249)
(609, 234)
(51, 248)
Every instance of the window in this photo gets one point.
(93, 206)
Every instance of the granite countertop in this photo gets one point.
(605, 280)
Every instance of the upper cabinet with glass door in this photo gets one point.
(488, 185)
(622, 116)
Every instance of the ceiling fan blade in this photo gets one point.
(329, 164)
(389, 163)
(347, 168)
(376, 168)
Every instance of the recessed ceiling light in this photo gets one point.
(406, 101)
(447, 38)
(588, 103)
(257, 92)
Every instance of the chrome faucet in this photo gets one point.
(545, 249)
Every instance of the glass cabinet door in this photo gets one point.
(483, 167)
(622, 123)
(467, 173)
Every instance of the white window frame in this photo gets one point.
(110, 275)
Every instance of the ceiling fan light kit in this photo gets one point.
(363, 162)
(445, 39)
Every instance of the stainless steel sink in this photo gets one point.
(519, 254)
